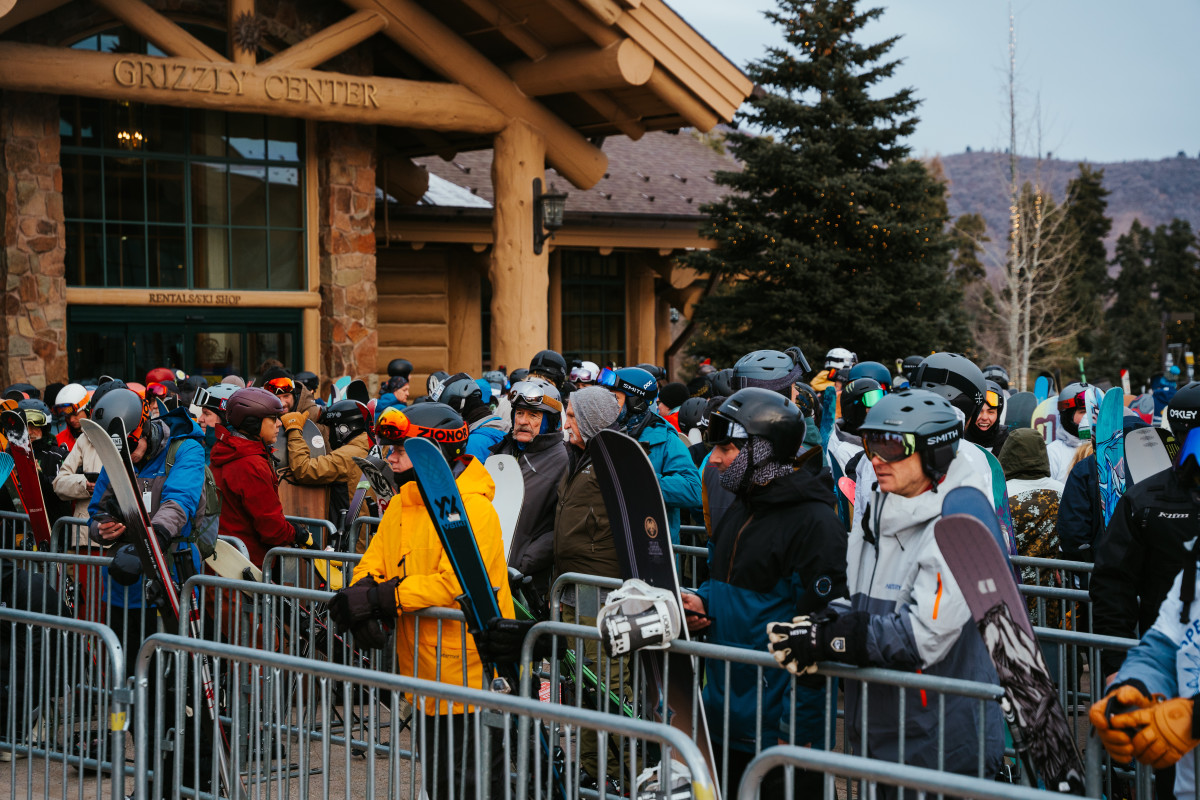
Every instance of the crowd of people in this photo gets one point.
(748, 454)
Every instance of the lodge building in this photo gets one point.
(334, 184)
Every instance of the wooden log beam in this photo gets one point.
(6, 6)
(333, 41)
(622, 63)
(160, 31)
(519, 278)
(672, 92)
(426, 38)
(306, 94)
(508, 26)
(402, 179)
(25, 11)
(237, 10)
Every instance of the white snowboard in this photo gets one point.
(510, 494)
(227, 562)
(1145, 454)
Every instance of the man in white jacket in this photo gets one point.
(1072, 407)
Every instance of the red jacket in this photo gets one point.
(250, 508)
(66, 439)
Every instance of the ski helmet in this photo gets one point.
(910, 365)
(872, 369)
(550, 365)
(433, 384)
(1070, 400)
(126, 566)
(994, 398)
(658, 372)
(124, 404)
(278, 381)
(955, 378)
(399, 366)
(214, 399)
(71, 399)
(460, 392)
(310, 380)
(997, 374)
(913, 421)
(858, 397)
(517, 375)
(437, 422)
(755, 411)
(21, 391)
(345, 421)
(538, 394)
(838, 359)
(767, 369)
(639, 387)
(246, 409)
(585, 373)
(36, 413)
(722, 382)
(161, 374)
(691, 413)
(1183, 411)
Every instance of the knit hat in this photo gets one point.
(596, 409)
(673, 394)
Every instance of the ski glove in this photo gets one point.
(301, 537)
(1167, 730)
(1118, 739)
(824, 636)
(367, 609)
(501, 642)
(293, 421)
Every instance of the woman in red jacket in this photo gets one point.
(245, 474)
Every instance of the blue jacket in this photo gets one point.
(485, 434)
(386, 401)
(174, 497)
(677, 475)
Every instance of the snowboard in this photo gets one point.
(638, 518)
(1019, 409)
(378, 472)
(1110, 450)
(112, 447)
(1035, 719)
(436, 484)
(227, 562)
(510, 494)
(828, 415)
(6, 467)
(332, 573)
(297, 499)
(1145, 454)
(339, 389)
(842, 505)
(1041, 387)
(28, 480)
(970, 501)
(357, 391)
(1045, 419)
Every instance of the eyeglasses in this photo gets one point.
(394, 426)
(888, 446)
(722, 430)
(607, 377)
(992, 399)
(280, 386)
(533, 393)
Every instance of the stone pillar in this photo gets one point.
(519, 278)
(33, 339)
(346, 178)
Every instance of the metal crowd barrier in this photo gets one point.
(290, 748)
(63, 707)
(365, 528)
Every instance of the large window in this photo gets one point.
(593, 303)
(155, 196)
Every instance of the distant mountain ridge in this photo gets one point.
(1154, 192)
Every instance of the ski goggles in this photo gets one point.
(534, 394)
(722, 430)
(888, 446)
(280, 386)
(157, 390)
(394, 426)
(869, 399)
(1190, 449)
(992, 398)
(67, 409)
(35, 418)
(607, 377)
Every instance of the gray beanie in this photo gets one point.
(596, 409)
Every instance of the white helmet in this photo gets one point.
(840, 358)
(71, 398)
(586, 372)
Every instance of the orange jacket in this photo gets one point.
(407, 546)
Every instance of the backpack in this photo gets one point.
(206, 522)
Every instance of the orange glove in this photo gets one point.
(1117, 738)
(1165, 734)
(293, 421)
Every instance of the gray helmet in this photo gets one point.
(120, 403)
(457, 390)
(997, 374)
(954, 377)
(925, 422)
(537, 394)
(722, 382)
(767, 369)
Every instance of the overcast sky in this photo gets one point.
(1116, 80)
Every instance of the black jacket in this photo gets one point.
(543, 463)
(1138, 557)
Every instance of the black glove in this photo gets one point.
(368, 609)
(824, 636)
(301, 537)
(501, 642)
(163, 534)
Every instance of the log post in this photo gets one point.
(519, 278)
(239, 11)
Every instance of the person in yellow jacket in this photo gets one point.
(405, 569)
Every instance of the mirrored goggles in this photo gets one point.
(280, 386)
(607, 377)
(395, 426)
(67, 409)
(888, 446)
(722, 430)
(157, 390)
(992, 399)
(534, 394)
(872, 397)
(1190, 449)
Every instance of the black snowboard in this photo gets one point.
(638, 517)
(1035, 718)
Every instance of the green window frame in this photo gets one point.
(593, 306)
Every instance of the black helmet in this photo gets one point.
(399, 366)
(551, 366)
(722, 382)
(767, 369)
(22, 391)
(457, 392)
(919, 422)
(1183, 412)
(345, 420)
(36, 413)
(246, 409)
(1070, 400)
(691, 413)
(955, 378)
(437, 422)
(872, 369)
(759, 412)
(658, 372)
(858, 397)
(997, 374)
(310, 380)
(639, 387)
(517, 375)
(909, 366)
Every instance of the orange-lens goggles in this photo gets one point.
(395, 426)
(156, 390)
(992, 399)
(280, 386)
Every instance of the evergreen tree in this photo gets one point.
(831, 235)
(967, 237)
(1131, 332)
(1087, 205)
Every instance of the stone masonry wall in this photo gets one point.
(346, 175)
(32, 245)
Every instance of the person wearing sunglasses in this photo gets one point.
(985, 430)
(406, 569)
(777, 552)
(905, 611)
